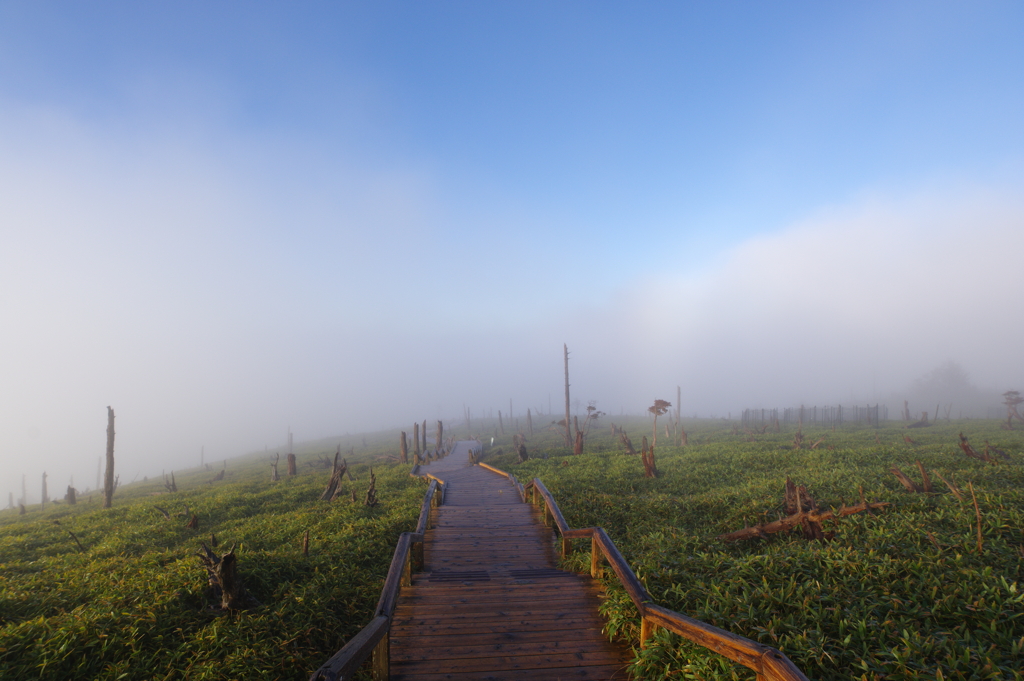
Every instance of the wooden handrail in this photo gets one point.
(769, 663)
(373, 638)
(428, 501)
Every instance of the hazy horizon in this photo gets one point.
(225, 221)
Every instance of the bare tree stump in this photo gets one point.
(292, 467)
(337, 473)
(225, 584)
(371, 493)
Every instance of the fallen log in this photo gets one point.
(796, 519)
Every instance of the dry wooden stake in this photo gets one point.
(977, 512)
(952, 488)
(305, 544)
(924, 478)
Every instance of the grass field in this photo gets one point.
(133, 605)
(902, 594)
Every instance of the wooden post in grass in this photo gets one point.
(977, 512)
(440, 435)
(501, 424)
(416, 440)
(109, 481)
(423, 433)
(568, 434)
(305, 544)
(405, 449)
(292, 467)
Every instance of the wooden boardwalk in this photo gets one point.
(490, 603)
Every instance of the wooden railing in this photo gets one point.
(374, 637)
(769, 663)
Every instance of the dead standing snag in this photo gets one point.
(658, 408)
(109, 481)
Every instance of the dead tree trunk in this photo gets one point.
(225, 585)
(371, 493)
(519, 447)
(568, 435)
(416, 441)
(292, 467)
(72, 496)
(647, 458)
(337, 473)
(109, 482)
(626, 442)
(577, 444)
(440, 435)
(275, 477)
(405, 449)
(501, 424)
(529, 422)
(423, 434)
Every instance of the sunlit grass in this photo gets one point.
(134, 606)
(879, 601)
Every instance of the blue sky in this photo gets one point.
(245, 216)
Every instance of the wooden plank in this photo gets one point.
(589, 673)
(462, 652)
(505, 626)
(566, 637)
(552, 660)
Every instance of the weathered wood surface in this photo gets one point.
(490, 602)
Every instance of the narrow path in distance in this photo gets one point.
(491, 603)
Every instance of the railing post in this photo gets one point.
(382, 658)
(417, 555)
(647, 629)
(407, 568)
(566, 546)
(595, 558)
(535, 495)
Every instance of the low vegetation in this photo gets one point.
(902, 593)
(132, 602)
